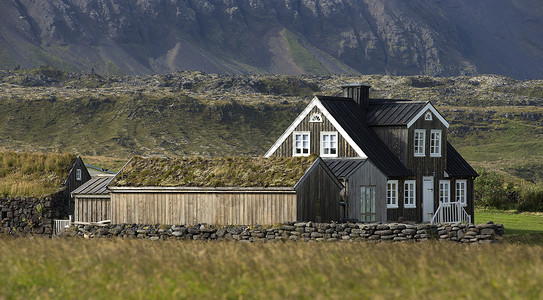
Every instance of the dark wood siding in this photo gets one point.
(318, 197)
(72, 183)
(367, 175)
(315, 128)
(396, 139)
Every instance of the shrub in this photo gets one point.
(531, 198)
(490, 191)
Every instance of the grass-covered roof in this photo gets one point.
(214, 172)
(31, 174)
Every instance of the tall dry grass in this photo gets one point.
(136, 269)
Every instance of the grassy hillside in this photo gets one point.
(496, 122)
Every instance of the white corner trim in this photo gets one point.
(430, 107)
(315, 102)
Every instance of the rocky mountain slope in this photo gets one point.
(495, 121)
(320, 37)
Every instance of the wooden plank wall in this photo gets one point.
(367, 174)
(318, 197)
(211, 208)
(92, 209)
(315, 128)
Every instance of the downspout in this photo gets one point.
(346, 188)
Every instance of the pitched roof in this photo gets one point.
(347, 113)
(456, 165)
(95, 186)
(214, 172)
(393, 112)
(343, 167)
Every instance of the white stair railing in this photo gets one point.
(451, 212)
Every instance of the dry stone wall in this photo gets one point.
(23, 216)
(301, 231)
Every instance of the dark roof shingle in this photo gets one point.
(457, 166)
(393, 112)
(95, 186)
(343, 167)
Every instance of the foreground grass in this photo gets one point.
(136, 269)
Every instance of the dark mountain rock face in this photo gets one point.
(432, 37)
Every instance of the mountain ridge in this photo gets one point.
(319, 37)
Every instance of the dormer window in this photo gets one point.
(428, 116)
(78, 174)
(315, 118)
(419, 141)
(435, 143)
(300, 143)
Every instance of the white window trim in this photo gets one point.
(436, 154)
(423, 132)
(394, 197)
(322, 142)
(458, 199)
(446, 199)
(78, 175)
(294, 143)
(315, 118)
(414, 184)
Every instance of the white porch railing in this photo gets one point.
(60, 225)
(451, 212)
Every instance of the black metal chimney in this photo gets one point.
(360, 93)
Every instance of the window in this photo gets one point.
(461, 192)
(301, 144)
(444, 191)
(328, 144)
(78, 174)
(435, 143)
(428, 116)
(392, 194)
(420, 136)
(367, 203)
(409, 194)
(315, 118)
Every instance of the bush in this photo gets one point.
(531, 198)
(490, 191)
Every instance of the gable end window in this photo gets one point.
(444, 191)
(315, 118)
(420, 139)
(409, 194)
(329, 144)
(428, 116)
(78, 174)
(300, 143)
(461, 192)
(392, 194)
(435, 143)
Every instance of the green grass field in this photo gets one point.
(519, 227)
(138, 269)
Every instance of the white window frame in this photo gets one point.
(315, 118)
(445, 192)
(417, 148)
(461, 190)
(294, 148)
(392, 194)
(323, 148)
(435, 143)
(409, 194)
(78, 174)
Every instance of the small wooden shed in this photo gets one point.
(92, 200)
(222, 191)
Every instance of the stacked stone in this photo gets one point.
(300, 231)
(22, 216)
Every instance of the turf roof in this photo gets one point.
(214, 172)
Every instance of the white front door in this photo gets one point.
(427, 198)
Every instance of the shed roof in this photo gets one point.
(343, 167)
(96, 186)
(457, 165)
(393, 112)
(348, 114)
(214, 172)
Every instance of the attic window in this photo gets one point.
(315, 118)
(78, 174)
(428, 116)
